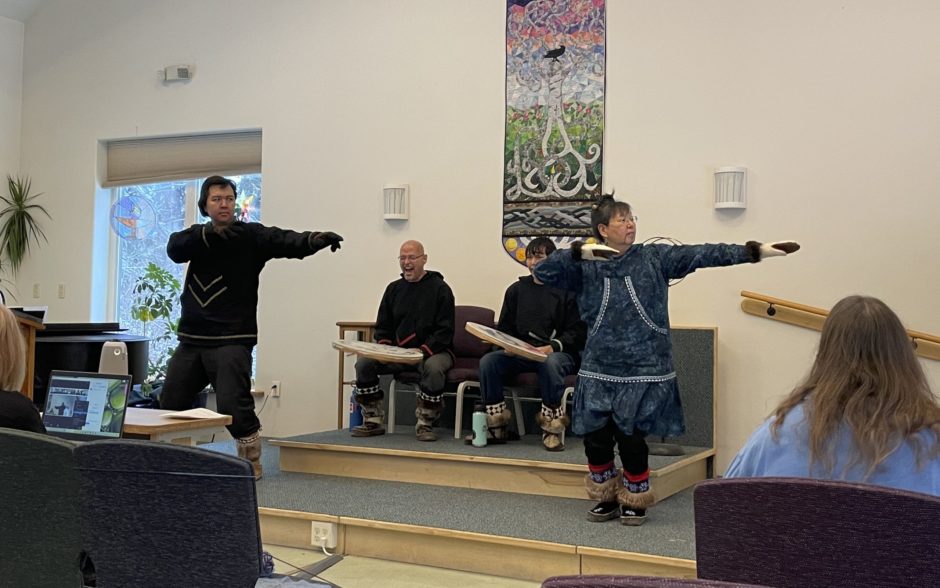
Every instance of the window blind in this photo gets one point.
(161, 159)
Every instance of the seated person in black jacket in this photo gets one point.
(547, 318)
(16, 410)
(417, 312)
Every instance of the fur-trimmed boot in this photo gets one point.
(553, 422)
(427, 410)
(605, 492)
(498, 418)
(250, 448)
(635, 496)
(373, 415)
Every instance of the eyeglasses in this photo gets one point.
(410, 257)
(626, 219)
(217, 199)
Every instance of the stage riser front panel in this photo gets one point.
(563, 481)
(471, 552)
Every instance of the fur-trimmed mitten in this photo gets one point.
(761, 251)
(591, 251)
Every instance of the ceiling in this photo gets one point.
(19, 10)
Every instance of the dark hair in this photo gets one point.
(604, 210)
(213, 181)
(867, 379)
(540, 245)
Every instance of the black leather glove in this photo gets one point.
(231, 231)
(325, 239)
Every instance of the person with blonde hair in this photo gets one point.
(865, 412)
(16, 410)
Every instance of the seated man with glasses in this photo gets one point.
(218, 327)
(547, 318)
(417, 312)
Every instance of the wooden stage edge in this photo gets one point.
(478, 472)
(462, 550)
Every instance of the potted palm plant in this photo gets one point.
(19, 225)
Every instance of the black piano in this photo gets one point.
(77, 347)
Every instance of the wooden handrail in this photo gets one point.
(811, 317)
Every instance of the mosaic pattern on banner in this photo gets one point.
(555, 77)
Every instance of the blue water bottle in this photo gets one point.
(479, 426)
(355, 412)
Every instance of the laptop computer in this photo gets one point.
(86, 406)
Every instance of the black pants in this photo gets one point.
(433, 372)
(227, 368)
(634, 453)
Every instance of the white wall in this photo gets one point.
(11, 96)
(832, 106)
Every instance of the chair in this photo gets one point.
(467, 353)
(804, 532)
(156, 514)
(635, 582)
(40, 536)
(523, 387)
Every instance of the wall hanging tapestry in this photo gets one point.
(555, 75)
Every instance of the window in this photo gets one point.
(142, 219)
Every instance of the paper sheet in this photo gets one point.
(193, 413)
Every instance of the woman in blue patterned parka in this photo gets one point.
(627, 385)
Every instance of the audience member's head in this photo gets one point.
(12, 352)
(16, 410)
(866, 377)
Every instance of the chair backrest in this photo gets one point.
(802, 532)
(156, 514)
(40, 536)
(468, 349)
(635, 582)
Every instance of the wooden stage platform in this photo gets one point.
(514, 510)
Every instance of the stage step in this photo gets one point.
(498, 533)
(522, 467)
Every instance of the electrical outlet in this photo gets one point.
(323, 534)
(61, 290)
(276, 388)
(36, 290)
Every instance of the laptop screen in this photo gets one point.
(86, 406)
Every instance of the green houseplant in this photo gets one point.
(19, 226)
(155, 293)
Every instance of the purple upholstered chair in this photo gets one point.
(803, 532)
(467, 353)
(635, 582)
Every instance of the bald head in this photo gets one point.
(411, 260)
(412, 245)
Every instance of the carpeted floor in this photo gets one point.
(668, 531)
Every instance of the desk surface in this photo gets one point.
(147, 421)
